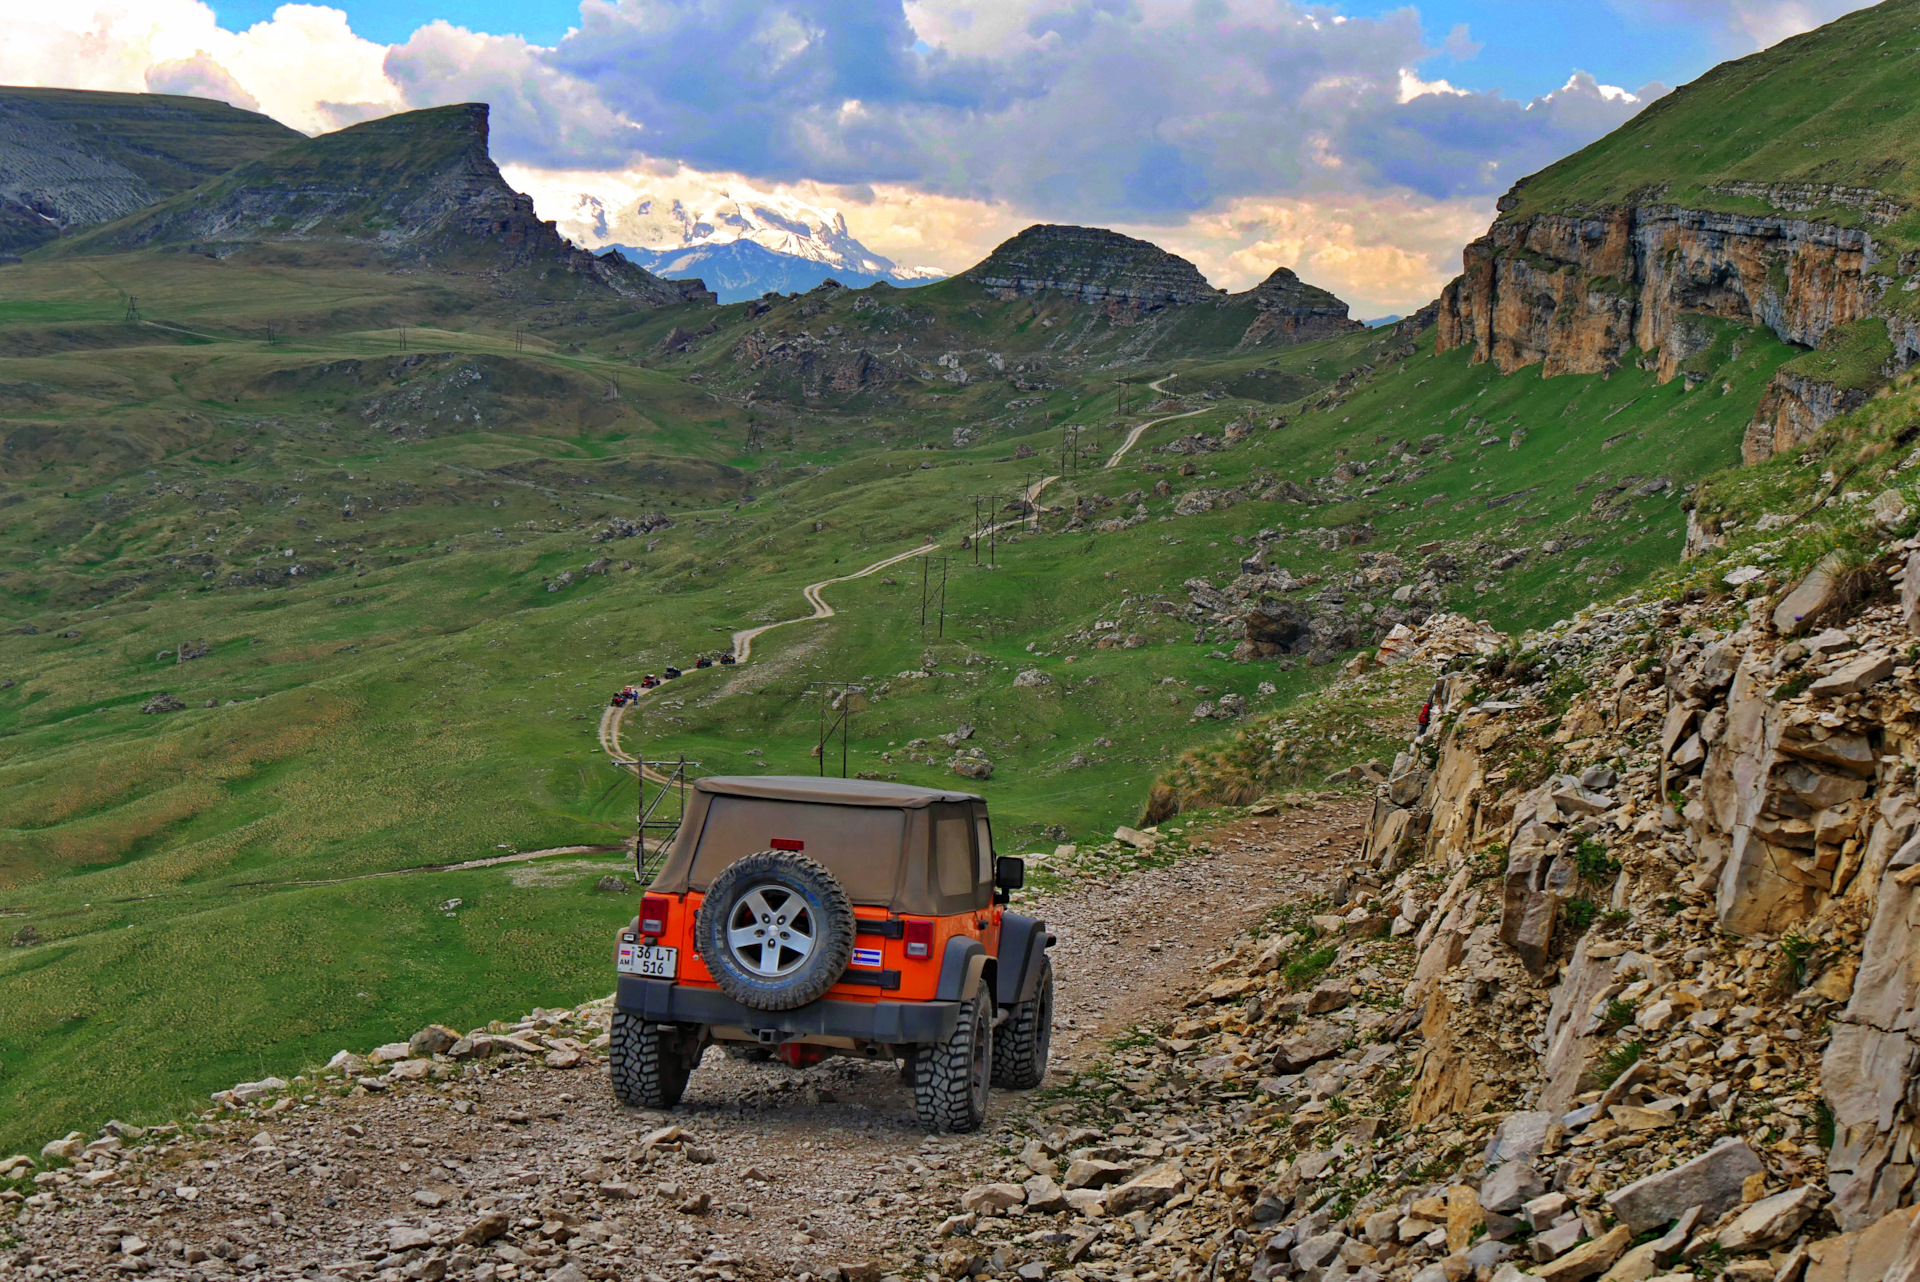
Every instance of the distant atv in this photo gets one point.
(818, 917)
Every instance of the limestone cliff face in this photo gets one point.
(1575, 292)
(1792, 410)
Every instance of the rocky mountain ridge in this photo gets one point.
(414, 188)
(1292, 311)
(1129, 280)
(73, 158)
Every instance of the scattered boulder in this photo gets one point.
(162, 702)
(1713, 1182)
(434, 1039)
(1771, 1220)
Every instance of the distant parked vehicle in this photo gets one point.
(670, 673)
(727, 660)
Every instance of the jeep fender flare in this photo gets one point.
(961, 968)
(1023, 946)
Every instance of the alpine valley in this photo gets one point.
(339, 490)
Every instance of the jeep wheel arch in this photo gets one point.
(1023, 950)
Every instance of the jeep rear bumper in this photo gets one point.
(894, 1023)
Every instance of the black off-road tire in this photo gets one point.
(831, 914)
(648, 1061)
(950, 1078)
(1021, 1043)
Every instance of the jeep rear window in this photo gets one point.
(860, 845)
(953, 853)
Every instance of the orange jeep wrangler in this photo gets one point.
(816, 917)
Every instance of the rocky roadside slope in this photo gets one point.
(1619, 988)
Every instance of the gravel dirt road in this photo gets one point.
(509, 1168)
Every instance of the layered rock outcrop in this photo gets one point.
(1288, 310)
(1750, 787)
(1098, 266)
(1575, 292)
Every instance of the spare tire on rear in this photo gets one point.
(775, 930)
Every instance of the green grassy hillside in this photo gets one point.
(204, 888)
(1833, 108)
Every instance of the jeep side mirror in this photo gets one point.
(1009, 872)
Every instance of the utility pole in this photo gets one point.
(133, 309)
(517, 331)
(989, 529)
(269, 336)
(403, 338)
(841, 722)
(933, 599)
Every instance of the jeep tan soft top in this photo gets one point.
(882, 840)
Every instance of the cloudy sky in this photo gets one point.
(1360, 144)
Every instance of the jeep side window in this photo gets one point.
(983, 843)
(953, 852)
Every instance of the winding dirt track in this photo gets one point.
(611, 718)
(1133, 437)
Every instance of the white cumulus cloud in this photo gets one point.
(305, 67)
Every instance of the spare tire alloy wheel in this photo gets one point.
(770, 931)
(775, 930)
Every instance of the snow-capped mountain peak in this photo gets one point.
(742, 242)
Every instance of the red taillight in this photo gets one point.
(787, 843)
(653, 915)
(919, 936)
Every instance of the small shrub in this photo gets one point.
(1580, 912)
(1299, 973)
(1795, 949)
(1608, 1067)
(1792, 686)
(1618, 1014)
(1594, 862)
(1823, 1123)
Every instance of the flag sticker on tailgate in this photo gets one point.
(866, 957)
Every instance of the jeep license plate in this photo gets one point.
(649, 960)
